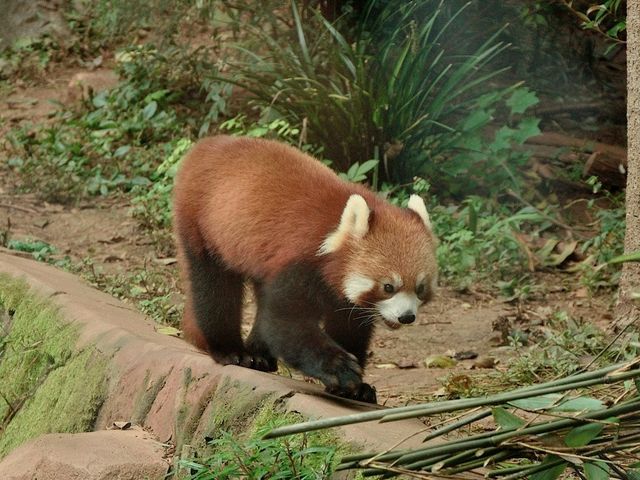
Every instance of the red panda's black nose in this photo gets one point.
(407, 318)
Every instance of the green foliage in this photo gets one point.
(256, 459)
(116, 140)
(478, 240)
(391, 88)
(309, 456)
(358, 173)
(607, 17)
(152, 206)
(596, 271)
(277, 129)
(151, 290)
(490, 166)
(28, 58)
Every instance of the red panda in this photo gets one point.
(327, 258)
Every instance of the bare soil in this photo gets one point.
(454, 322)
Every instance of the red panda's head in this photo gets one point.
(388, 261)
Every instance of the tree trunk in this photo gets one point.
(628, 308)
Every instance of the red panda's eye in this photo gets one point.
(388, 288)
(420, 289)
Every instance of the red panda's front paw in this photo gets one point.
(342, 374)
(366, 393)
(363, 393)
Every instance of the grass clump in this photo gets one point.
(247, 455)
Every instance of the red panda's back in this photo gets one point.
(259, 204)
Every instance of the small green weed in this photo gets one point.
(40, 250)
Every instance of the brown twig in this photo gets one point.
(17, 207)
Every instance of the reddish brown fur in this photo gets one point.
(262, 205)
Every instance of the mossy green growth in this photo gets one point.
(47, 386)
(235, 406)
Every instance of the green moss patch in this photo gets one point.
(47, 386)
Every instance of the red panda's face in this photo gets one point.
(389, 258)
(392, 277)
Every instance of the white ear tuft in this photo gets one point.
(354, 222)
(417, 205)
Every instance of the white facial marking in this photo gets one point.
(355, 285)
(417, 205)
(353, 222)
(396, 306)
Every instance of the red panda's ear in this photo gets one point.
(354, 222)
(417, 205)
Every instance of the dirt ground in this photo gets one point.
(453, 323)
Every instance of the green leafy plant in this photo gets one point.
(358, 173)
(28, 58)
(387, 87)
(152, 206)
(152, 290)
(608, 18)
(596, 270)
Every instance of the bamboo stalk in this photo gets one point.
(508, 397)
(447, 406)
(495, 439)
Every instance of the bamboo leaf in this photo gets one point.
(583, 435)
(506, 419)
(555, 402)
(552, 472)
(596, 470)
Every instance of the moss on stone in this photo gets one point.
(47, 386)
(235, 405)
(67, 401)
(146, 396)
(37, 342)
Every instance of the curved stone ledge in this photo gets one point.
(168, 387)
